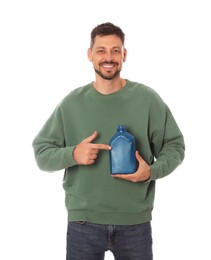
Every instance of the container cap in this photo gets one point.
(121, 128)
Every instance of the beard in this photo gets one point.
(108, 75)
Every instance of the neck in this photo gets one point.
(108, 86)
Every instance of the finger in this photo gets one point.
(94, 151)
(138, 157)
(129, 177)
(93, 156)
(90, 162)
(90, 138)
(101, 146)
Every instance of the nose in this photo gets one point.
(109, 56)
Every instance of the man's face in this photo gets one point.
(107, 56)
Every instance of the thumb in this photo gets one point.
(90, 138)
(138, 157)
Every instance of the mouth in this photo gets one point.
(108, 65)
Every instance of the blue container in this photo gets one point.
(122, 154)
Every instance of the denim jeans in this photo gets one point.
(87, 241)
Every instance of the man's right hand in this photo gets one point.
(86, 152)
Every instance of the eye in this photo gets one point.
(100, 51)
(116, 51)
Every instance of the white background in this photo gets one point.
(43, 49)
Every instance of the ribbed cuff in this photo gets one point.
(69, 156)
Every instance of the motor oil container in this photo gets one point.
(122, 154)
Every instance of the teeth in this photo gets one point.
(108, 66)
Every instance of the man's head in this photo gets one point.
(107, 52)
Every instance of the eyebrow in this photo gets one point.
(115, 47)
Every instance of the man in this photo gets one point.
(104, 212)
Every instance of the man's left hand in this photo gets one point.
(143, 172)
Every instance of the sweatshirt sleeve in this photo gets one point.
(50, 151)
(168, 147)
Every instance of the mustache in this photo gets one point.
(109, 63)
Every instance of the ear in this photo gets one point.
(124, 55)
(89, 54)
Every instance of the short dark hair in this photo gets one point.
(106, 29)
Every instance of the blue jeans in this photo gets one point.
(87, 241)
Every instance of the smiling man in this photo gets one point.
(107, 58)
(104, 212)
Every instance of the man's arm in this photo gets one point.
(51, 152)
(169, 151)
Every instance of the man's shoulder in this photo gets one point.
(140, 87)
(76, 93)
(79, 91)
(74, 97)
(146, 93)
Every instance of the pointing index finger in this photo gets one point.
(101, 146)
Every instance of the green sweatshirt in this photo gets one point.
(91, 193)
